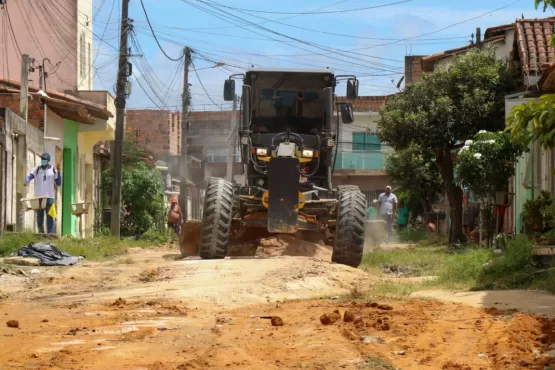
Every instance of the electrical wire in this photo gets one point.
(315, 13)
(11, 29)
(229, 15)
(155, 38)
(201, 84)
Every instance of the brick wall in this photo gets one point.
(157, 130)
(413, 68)
(366, 103)
(35, 113)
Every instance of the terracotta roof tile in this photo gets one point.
(532, 38)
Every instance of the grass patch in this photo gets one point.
(376, 363)
(393, 289)
(411, 262)
(468, 269)
(95, 249)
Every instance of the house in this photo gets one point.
(66, 127)
(524, 45)
(69, 115)
(361, 155)
(160, 132)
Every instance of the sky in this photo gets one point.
(339, 34)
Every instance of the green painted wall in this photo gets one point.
(69, 178)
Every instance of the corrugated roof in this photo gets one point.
(94, 109)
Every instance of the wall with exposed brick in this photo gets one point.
(413, 68)
(157, 130)
(366, 103)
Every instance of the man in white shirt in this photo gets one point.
(388, 206)
(46, 179)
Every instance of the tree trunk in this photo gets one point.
(454, 195)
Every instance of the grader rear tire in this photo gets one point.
(216, 219)
(350, 228)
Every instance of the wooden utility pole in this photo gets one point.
(24, 93)
(21, 144)
(231, 141)
(120, 120)
(184, 167)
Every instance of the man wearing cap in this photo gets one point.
(46, 179)
(388, 206)
(175, 217)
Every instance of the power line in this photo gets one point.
(201, 84)
(314, 13)
(441, 29)
(155, 38)
(278, 34)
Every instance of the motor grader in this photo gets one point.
(287, 139)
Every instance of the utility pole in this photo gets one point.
(184, 167)
(231, 141)
(120, 119)
(24, 93)
(21, 145)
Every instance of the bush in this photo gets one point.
(513, 269)
(539, 214)
(141, 195)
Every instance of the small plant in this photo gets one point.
(539, 214)
(376, 363)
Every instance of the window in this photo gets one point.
(89, 65)
(366, 141)
(83, 56)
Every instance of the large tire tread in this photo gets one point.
(216, 219)
(350, 228)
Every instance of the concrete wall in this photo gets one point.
(503, 49)
(11, 123)
(46, 29)
(85, 54)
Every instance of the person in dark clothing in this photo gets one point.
(175, 216)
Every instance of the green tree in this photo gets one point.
(486, 163)
(140, 191)
(535, 120)
(415, 171)
(448, 106)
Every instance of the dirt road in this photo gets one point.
(150, 310)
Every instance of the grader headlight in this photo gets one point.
(261, 152)
(307, 153)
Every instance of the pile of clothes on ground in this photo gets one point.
(48, 254)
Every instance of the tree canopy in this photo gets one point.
(486, 163)
(415, 171)
(449, 106)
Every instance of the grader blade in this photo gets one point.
(189, 238)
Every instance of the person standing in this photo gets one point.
(46, 179)
(175, 216)
(372, 211)
(402, 216)
(388, 206)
